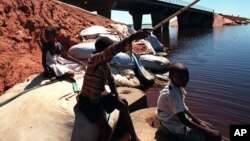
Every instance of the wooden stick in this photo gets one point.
(173, 15)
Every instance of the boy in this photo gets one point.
(93, 98)
(175, 117)
(53, 63)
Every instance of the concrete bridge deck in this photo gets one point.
(138, 8)
(196, 16)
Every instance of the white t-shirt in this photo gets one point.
(170, 102)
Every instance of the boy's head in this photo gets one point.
(102, 43)
(50, 33)
(179, 75)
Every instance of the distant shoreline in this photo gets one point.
(222, 20)
(219, 20)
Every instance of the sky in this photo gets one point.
(228, 7)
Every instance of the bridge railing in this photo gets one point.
(184, 3)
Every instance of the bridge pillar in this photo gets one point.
(188, 19)
(137, 19)
(104, 12)
(193, 19)
(103, 7)
(106, 7)
(162, 33)
(156, 17)
(207, 20)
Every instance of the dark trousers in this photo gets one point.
(94, 111)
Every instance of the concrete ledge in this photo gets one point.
(135, 97)
(144, 123)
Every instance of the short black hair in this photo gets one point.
(177, 68)
(102, 43)
(50, 31)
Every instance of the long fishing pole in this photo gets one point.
(164, 21)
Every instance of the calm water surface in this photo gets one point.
(219, 66)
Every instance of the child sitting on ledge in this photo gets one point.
(176, 120)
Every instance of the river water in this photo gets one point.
(219, 65)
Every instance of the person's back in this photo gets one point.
(175, 117)
(98, 71)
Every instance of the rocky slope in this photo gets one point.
(21, 24)
(221, 19)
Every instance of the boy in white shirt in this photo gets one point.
(175, 118)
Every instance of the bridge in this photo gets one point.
(196, 16)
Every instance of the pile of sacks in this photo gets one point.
(123, 65)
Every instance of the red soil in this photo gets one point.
(21, 24)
